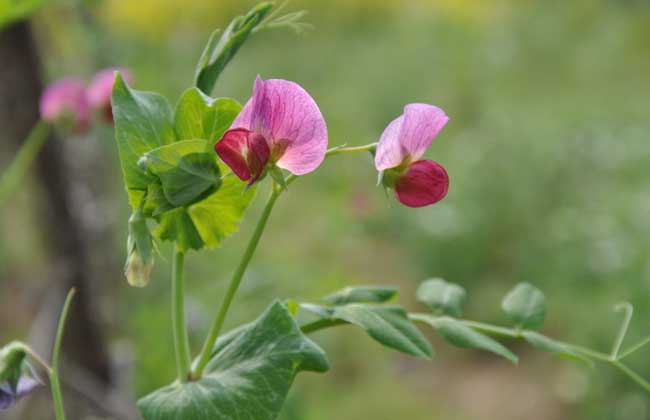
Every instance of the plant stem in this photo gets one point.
(12, 176)
(215, 329)
(55, 386)
(213, 335)
(181, 340)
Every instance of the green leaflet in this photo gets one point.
(389, 325)
(249, 376)
(526, 306)
(545, 343)
(441, 296)
(354, 294)
(198, 116)
(220, 49)
(143, 122)
(460, 335)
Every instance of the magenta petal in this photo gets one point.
(99, 91)
(285, 114)
(424, 182)
(390, 152)
(245, 152)
(66, 99)
(409, 135)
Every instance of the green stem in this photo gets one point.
(215, 329)
(55, 386)
(213, 335)
(627, 317)
(12, 176)
(181, 340)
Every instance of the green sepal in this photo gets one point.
(140, 251)
(12, 363)
(278, 176)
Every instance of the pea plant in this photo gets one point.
(191, 172)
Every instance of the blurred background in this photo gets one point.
(548, 154)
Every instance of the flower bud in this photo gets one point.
(17, 378)
(140, 259)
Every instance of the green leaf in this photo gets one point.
(221, 49)
(155, 202)
(389, 325)
(355, 294)
(460, 335)
(143, 122)
(443, 297)
(186, 169)
(198, 116)
(177, 226)
(219, 215)
(545, 343)
(526, 306)
(248, 377)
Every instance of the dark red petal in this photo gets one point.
(245, 152)
(425, 182)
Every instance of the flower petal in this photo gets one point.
(409, 135)
(63, 99)
(422, 123)
(245, 152)
(285, 114)
(390, 152)
(99, 91)
(424, 182)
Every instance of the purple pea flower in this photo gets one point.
(10, 395)
(64, 101)
(281, 125)
(99, 91)
(416, 182)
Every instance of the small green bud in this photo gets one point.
(139, 248)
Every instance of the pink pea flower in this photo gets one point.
(416, 182)
(100, 89)
(64, 101)
(281, 125)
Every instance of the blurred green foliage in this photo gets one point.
(547, 151)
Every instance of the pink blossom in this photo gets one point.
(64, 101)
(417, 183)
(279, 125)
(100, 89)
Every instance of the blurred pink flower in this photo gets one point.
(280, 123)
(64, 101)
(417, 183)
(100, 89)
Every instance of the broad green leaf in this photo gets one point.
(360, 294)
(143, 122)
(220, 49)
(218, 216)
(248, 377)
(526, 306)
(198, 116)
(545, 343)
(458, 334)
(443, 297)
(177, 226)
(186, 169)
(389, 325)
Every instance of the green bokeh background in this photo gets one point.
(548, 154)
